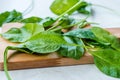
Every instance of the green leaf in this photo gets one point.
(81, 33)
(24, 33)
(60, 6)
(97, 34)
(105, 37)
(48, 21)
(45, 42)
(31, 20)
(108, 61)
(12, 16)
(85, 8)
(74, 48)
(79, 23)
(64, 21)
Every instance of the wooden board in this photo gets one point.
(18, 60)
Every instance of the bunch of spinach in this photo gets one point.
(98, 42)
(43, 36)
(36, 38)
(104, 47)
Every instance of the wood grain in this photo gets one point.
(19, 60)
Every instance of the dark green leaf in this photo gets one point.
(45, 42)
(12, 16)
(47, 22)
(85, 8)
(24, 33)
(65, 21)
(108, 61)
(74, 48)
(32, 20)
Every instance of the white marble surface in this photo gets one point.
(79, 72)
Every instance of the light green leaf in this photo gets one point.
(60, 6)
(24, 33)
(31, 20)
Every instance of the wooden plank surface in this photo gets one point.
(18, 60)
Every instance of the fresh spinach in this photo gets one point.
(24, 33)
(74, 50)
(81, 33)
(48, 21)
(106, 37)
(85, 8)
(12, 16)
(98, 34)
(31, 20)
(33, 38)
(73, 45)
(60, 6)
(107, 60)
(45, 42)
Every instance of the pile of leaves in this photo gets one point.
(43, 36)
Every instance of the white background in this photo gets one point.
(80, 72)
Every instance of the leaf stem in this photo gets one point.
(59, 22)
(5, 64)
(69, 26)
(84, 45)
(5, 59)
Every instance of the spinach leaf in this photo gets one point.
(64, 21)
(107, 60)
(31, 20)
(60, 6)
(78, 23)
(97, 34)
(74, 48)
(81, 33)
(24, 33)
(12, 16)
(45, 42)
(48, 21)
(105, 37)
(85, 8)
